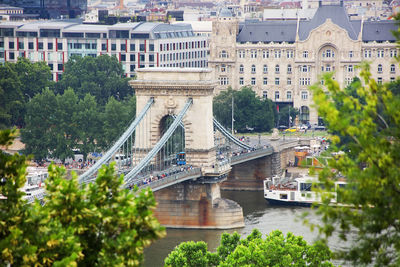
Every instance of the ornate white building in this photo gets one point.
(280, 59)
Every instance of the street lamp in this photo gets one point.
(233, 132)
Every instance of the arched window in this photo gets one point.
(304, 114)
(277, 68)
(304, 95)
(380, 68)
(223, 54)
(253, 68)
(223, 68)
(241, 68)
(265, 94)
(289, 69)
(289, 95)
(392, 68)
(265, 69)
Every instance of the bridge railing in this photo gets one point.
(236, 159)
(173, 179)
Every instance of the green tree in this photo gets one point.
(41, 123)
(99, 224)
(102, 77)
(249, 110)
(19, 82)
(274, 250)
(116, 117)
(28, 235)
(370, 121)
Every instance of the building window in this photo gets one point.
(10, 45)
(379, 80)
(142, 47)
(289, 69)
(123, 47)
(277, 69)
(223, 80)
(277, 81)
(253, 68)
(265, 80)
(59, 46)
(304, 95)
(278, 53)
(30, 45)
(289, 53)
(289, 95)
(60, 67)
(50, 46)
(11, 55)
(276, 95)
(132, 57)
(132, 47)
(393, 53)
(380, 68)
(305, 54)
(265, 69)
(392, 68)
(305, 81)
(289, 81)
(328, 53)
(40, 45)
(392, 79)
(367, 53)
(253, 53)
(223, 68)
(265, 53)
(304, 68)
(132, 67)
(351, 54)
(265, 94)
(253, 81)
(241, 81)
(103, 47)
(241, 68)
(51, 66)
(223, 54)
(350, 68)
(123, 57)
(328, 67)
(151, 47)
(151, 58)
(142, 59)
(241, 54)
(113, 47)
(380, 53)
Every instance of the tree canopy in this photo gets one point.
(101, 77)
(275, 250)
(19, 82)
(368, 117)
(249, 110)
(99, 224)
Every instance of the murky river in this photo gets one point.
(258, 214)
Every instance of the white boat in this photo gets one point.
(294, 191)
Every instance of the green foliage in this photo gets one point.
(57, 124)
(101, 77)
(19, 82)
(274, 250)
(369, 121)
(283, 115)
(99, 224)
(28, 235)
(249, 110)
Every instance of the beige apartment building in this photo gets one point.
(281, 58)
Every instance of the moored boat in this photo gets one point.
(294, 191)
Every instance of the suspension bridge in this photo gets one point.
(177, 148)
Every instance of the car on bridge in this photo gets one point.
(291, 129)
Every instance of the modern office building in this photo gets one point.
(280, 59)
(135, 45)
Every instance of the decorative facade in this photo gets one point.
(280, 59)
(136, 45)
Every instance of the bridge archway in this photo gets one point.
(171, 88)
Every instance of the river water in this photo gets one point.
(258, 214)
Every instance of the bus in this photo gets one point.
(180, 158)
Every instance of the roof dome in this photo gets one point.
(225, 12)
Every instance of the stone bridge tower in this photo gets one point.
(190, 204)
